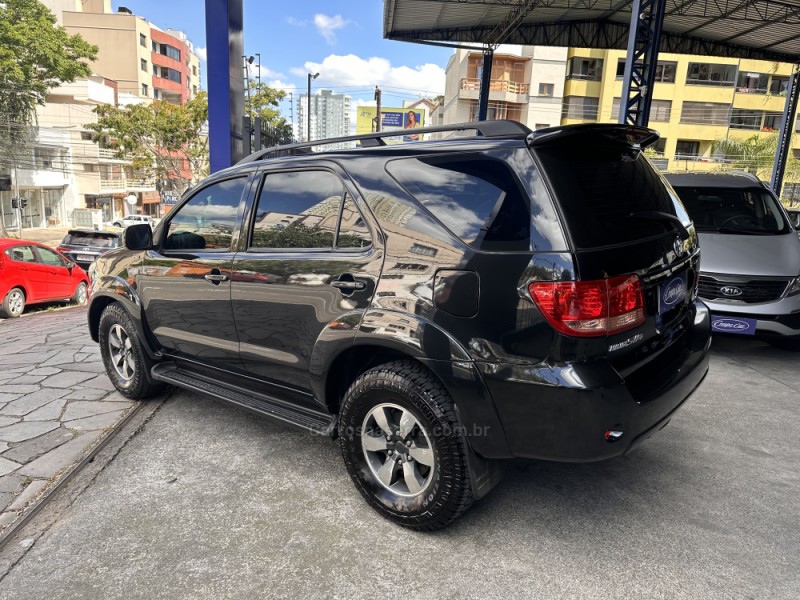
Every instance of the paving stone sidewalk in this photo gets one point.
(56, 403)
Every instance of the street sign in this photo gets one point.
(169, 198)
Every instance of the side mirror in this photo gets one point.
(138, 237)
(70, 265)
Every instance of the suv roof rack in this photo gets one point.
(489, 129)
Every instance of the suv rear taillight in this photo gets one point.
(591, 308)
(62, 250)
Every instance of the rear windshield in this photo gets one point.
(606, 191)
(743, 211)
(477, 198)
(95, 240)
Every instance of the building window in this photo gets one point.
(171, 74)
(170, 52)
(545, 89)
(89, 168)
(86, 136)
(705, 113)
(746, 119)
(665, 71)
(497, 110)
(194, 70)
(155, 46)
(143, 40)
(589, 69)
(772, 122)
(580, 107)
(143, 64)
(660, 110)
(710, 74)
(687, 149)
(752, 83)
(424, 250)
(778, 86)
(194, 89)
(145, 90)
(155, 70)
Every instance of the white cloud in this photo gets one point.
(202, 53)
(327, 26)
(296, 22)
(281, 85)
(266, 72)
(351, 70)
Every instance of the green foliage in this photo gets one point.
(158, 137)
(36, 55)
(754, 154)
(260, 100)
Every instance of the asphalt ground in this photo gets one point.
(208, 501)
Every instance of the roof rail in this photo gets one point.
(489, 129)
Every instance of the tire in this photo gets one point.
(13, 304)
(79, 297)
(430, 487)
(127, 364)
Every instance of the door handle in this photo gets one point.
(348, 285)
(215, 277)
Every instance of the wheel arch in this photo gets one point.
(100, 301)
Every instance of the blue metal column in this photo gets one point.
(486, 80)
(647, 18)
(787, 124)
(225, 45)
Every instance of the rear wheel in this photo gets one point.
(403, 446)
(126, 361)
(79, 297)
(13, 304)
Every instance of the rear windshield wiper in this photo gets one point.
(662, 217)
(742, 231)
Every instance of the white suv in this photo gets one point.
(133, 220)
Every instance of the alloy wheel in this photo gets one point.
(121, 351)
(16, 302)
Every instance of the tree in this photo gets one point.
(260, 100)
(166, 139)
(36, 55)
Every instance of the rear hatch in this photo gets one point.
(628, 229)
(86, 246)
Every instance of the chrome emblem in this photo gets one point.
(677, 246)
(730, 290)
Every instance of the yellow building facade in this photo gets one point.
(696, 100)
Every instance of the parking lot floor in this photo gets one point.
(208, 501)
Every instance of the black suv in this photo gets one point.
(83, 246)
(436, 305)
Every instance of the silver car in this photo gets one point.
(750, 261)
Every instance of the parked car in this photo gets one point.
(83, 246)
(750, 276)
(32, 273)
(133, 220)
(475, 299)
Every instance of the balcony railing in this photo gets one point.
(496, 85)
(108, 154)
(125, 183)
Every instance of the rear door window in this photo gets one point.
(602, 186)
(479, 199)
(93, 240)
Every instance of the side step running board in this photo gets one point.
(315, 422)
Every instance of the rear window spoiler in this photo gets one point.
(629, 135)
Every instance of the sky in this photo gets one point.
(342, 41)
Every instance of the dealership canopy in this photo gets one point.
(760, 29)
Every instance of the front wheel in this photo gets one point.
(126, 361)
(80, 297)
(403, 446)
(13, 304)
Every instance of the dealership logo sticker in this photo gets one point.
(731, 325)
(674, 291)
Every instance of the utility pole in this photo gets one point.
(258, 75)
(308, 106)
(378, 116)
(291, 108)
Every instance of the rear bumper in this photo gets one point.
(774, 319)
(563, 412)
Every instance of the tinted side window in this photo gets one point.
(353, 231)
(600, 186)
(206, 222)
(297, 209)
(21, 254)
(475, 197)
(50, 258)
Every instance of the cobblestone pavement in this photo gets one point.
(56, 403)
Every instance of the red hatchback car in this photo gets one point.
(31, 272)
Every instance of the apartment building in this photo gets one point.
(145, 61)
(330, 115)
(696, 100)
(526, 85)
